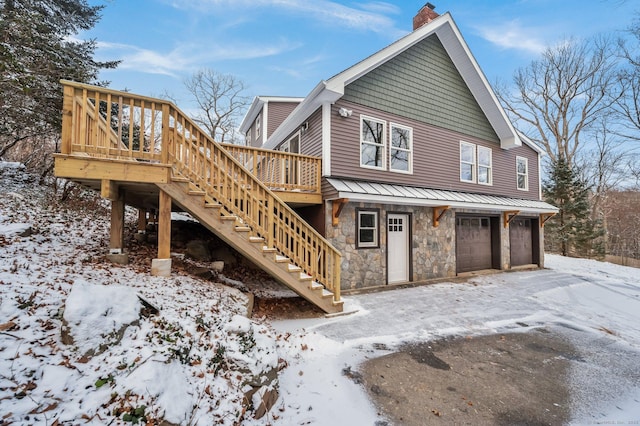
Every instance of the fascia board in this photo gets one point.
(256, 106)
(252, 113)
(531, 144)
(319, 95)
(475, 79)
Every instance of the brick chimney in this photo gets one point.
(424, 16)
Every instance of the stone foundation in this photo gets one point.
(433, 249)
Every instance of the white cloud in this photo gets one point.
(371, 17)
(186, 57)
(381, 7)
(512, 35)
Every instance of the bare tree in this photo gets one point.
(559, 97)
(220, 100)
(628, 105)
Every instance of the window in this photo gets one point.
(484, 166)
(522, 173)
(467, 162)
(476, 164)
(367, 228)
(372, 143)
(400, 148)
(258, 127)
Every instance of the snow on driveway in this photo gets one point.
(594, 304)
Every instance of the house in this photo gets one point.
(423, 175)
(402, 168)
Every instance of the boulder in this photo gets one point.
(198, 250)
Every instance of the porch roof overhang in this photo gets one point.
(385, 193)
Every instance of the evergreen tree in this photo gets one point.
(571, 231)
(37, 50)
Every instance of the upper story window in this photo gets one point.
(400, 149)
(467, 162)
(367, 228)
(522, 173)
(485, 168)
(258, 127)
(372, 142)
(476, 164)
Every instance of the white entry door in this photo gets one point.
(397, 247)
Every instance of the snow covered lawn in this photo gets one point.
(192, 363)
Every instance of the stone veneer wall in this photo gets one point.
(433, 249)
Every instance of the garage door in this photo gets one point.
(520, 239)
(473, 243)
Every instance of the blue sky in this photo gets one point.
(285, 47)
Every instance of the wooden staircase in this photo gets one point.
(202, 178)
(241, 237)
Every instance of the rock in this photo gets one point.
(250, 302)
(224, 254)
(140, 237)
(217, 266)
(203, 273)
(263, 400)
(27, 232)
(198, 250)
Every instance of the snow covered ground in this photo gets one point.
(173, 364)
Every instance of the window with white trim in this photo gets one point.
(372, 143)
(485, 168)
(400, 148)
(467, 162)
(367, 228)
(258, 127)
(522, 173)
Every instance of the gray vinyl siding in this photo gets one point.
(422, 83)
(311, 143)
(436, 156)
(311, 140)
(253, 136)
(277, 113)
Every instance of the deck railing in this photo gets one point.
(99, 122)
(280, 170)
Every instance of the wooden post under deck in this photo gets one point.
(162, 265)
(116, 234)
(116, 240)
(142, 221)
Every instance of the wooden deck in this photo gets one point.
(146, 153)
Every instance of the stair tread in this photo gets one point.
(253, 239)
(305, 277)
(281, 259)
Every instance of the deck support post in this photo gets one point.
(162, 265)
(141, 235)
(116, 236)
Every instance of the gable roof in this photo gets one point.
(445, 28)
(256, 106)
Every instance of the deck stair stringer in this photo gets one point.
(239, 236)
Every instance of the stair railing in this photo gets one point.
(108, 123)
